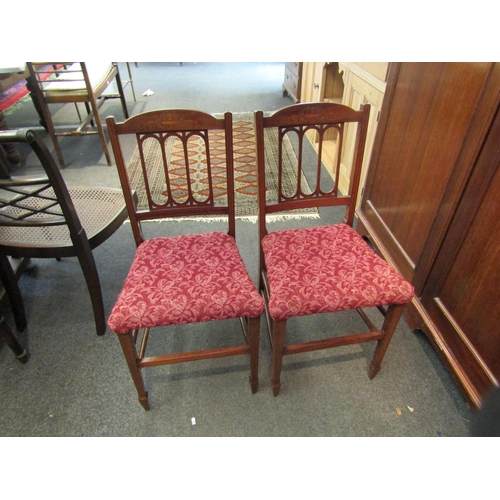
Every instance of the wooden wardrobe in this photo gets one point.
(431, 207)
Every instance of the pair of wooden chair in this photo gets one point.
(197, 278)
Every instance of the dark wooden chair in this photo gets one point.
(89, 83)
(190, 278)
(40, 217)
(321, 269)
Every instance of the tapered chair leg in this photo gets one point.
(128, 345)
(278, 335)
(87, 263)
(122, 94)
(391, 320)
(100, 131)
(10, 339)
(11, 286)
(254, 328)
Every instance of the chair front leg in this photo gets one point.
(391, 321)
(128, 345)
(10, 339)
(278, 336)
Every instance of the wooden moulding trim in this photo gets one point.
(433, 332)
(466, 341)
(385, 242)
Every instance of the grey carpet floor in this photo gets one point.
(77, 384)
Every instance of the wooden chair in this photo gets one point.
(190, 278)
(321, 269)
(90, 83)
(40, 217)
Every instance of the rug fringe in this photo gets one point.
(245, 218)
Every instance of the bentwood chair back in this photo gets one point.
(190, 278)
(327, 268)
(77, 82)
(41, 217)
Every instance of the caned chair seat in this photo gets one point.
(327, 269)
(185, 279)
(95, 206)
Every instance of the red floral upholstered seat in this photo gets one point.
(327, 269)
(185, 279)
(190, 278)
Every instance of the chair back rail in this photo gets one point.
(299, 121)
(163, 130)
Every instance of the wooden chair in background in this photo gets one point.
(89, 83)
(190, 278)
(328, 268)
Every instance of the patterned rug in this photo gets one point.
(12, 98)
(244, 166)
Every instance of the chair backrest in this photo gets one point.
(325, 125)
(182, 166)
(37, 200)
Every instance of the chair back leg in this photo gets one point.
(278, 340)
(122, 94)
(253, 341)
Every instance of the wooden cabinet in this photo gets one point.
(352, 84)
(293, 80)
(431, 207)
(361, 87)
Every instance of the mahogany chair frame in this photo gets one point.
(320, 118)
(181, 124)
(91, 93)
(43, 203)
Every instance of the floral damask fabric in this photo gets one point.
(327, 269)
(185, 279)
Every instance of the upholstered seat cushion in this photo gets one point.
(327, 269)
(185, 279)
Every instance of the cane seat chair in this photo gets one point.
(321, 268)
(190, 278)
(78, 82)
(41, 217)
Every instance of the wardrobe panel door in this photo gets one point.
(462, 294)
(428, 119)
